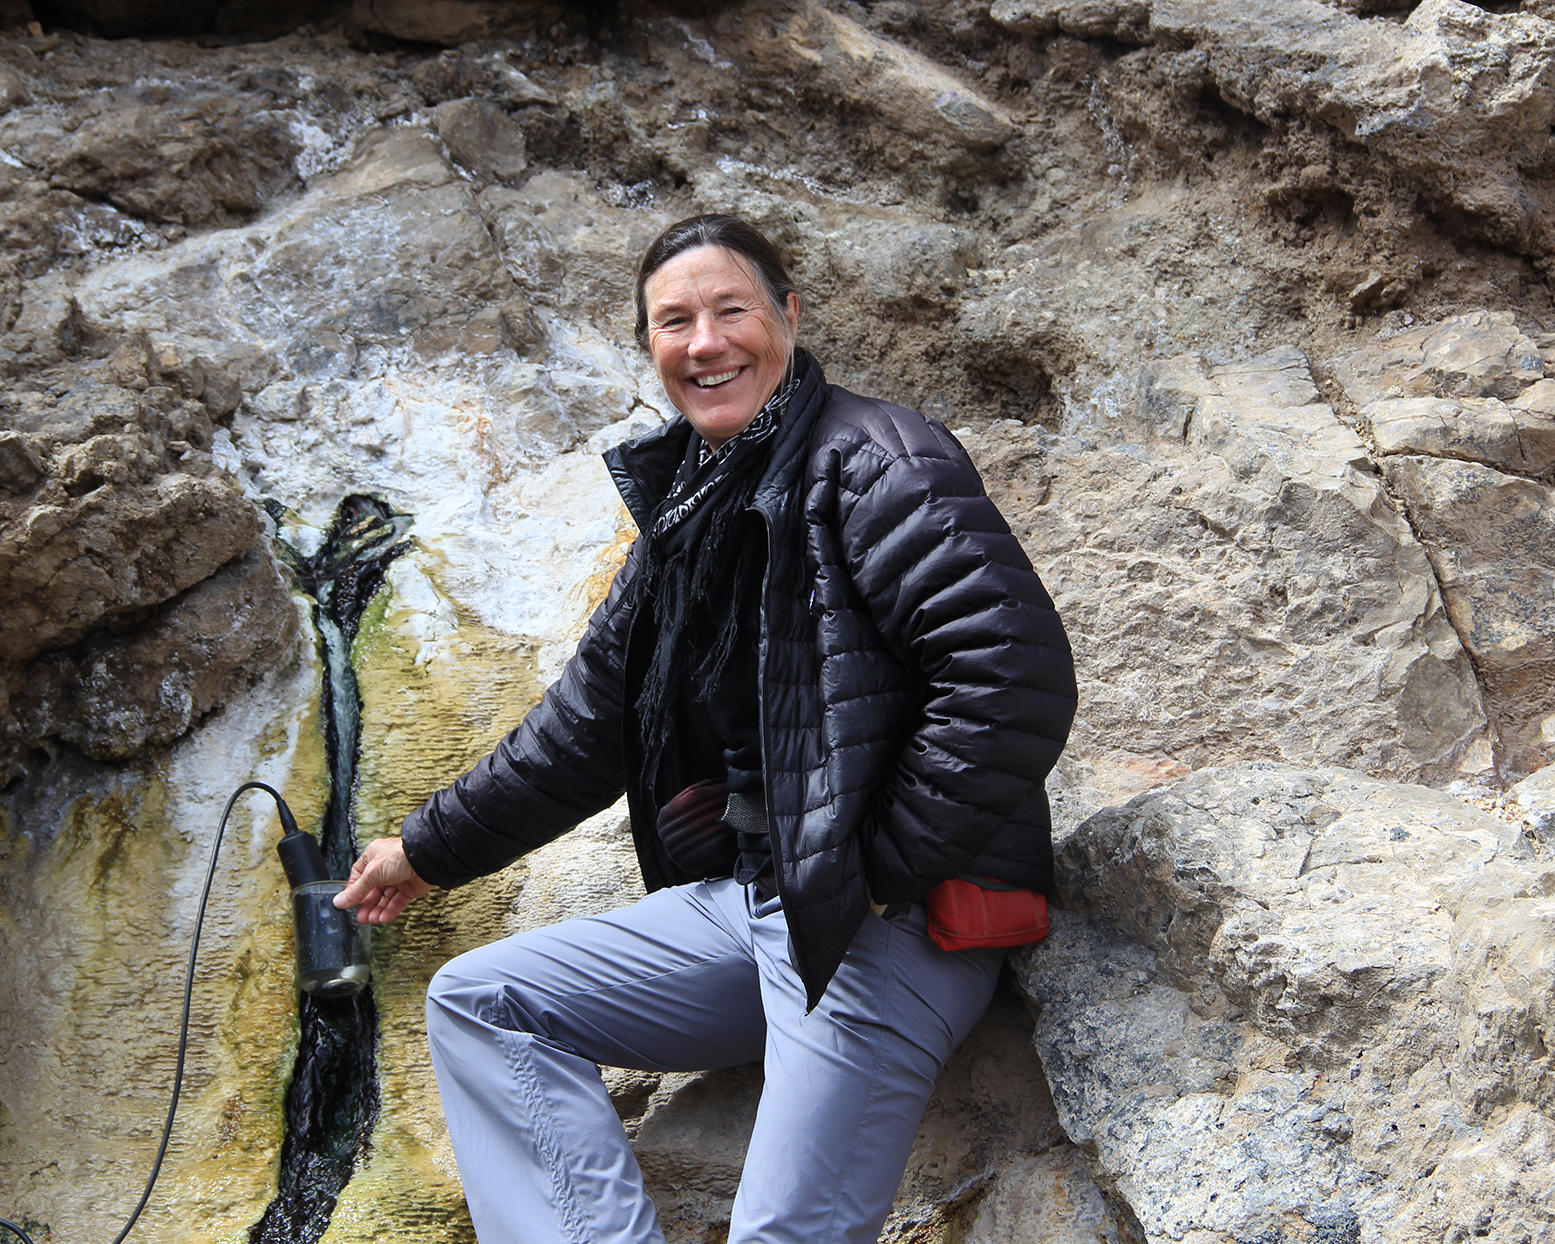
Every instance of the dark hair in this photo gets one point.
(711, 229)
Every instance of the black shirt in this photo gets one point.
(718, 728)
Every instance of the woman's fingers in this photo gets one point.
(382, 883)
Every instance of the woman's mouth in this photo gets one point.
(709, 382)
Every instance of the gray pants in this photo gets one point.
(690, 978)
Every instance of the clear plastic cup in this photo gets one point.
(332, 955)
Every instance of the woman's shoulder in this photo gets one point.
(869, 425)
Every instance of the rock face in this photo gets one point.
(1459, 415)
(1241, 309)
(1230, 565)
(1264, 962)
(140, 594)
(1453, 100)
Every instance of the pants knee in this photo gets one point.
(449, 1000)
(470, 991)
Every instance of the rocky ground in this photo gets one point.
(1242, 309)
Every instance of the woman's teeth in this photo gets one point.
(707, 382)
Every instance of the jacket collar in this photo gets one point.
(791, 452)
(644, 470)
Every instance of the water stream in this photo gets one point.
(332, 1103)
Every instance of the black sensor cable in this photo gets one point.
(289, 824)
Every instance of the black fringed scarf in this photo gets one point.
(696, 578)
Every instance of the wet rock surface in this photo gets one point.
(1241, 309)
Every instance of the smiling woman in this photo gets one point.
(831, 685)
(719, 344)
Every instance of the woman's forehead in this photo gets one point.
(702, 275)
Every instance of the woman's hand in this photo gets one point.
(382, 883)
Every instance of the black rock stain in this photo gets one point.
(332, 1104)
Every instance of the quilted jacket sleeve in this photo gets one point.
(955, 598)
(561, 765)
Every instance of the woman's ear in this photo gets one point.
(791, 313)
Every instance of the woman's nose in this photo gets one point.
(705, 337)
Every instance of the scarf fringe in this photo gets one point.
(694, 542)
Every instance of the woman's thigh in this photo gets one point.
(847, 1083)
(667, 984)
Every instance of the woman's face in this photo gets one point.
(719, 347)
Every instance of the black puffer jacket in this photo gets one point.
(916, 686)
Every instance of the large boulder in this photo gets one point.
(1297, 1001)
(118, 694)
(116, 546)
(140, 592)
(205, 157)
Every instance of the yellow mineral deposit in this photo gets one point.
(92, 1041)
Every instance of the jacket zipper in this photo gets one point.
(766, 750)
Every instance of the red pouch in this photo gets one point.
(964, 915)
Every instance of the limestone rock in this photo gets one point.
(1534, 798)
(1492, 541)
(13, 90)
(118, 694)
(485, 75)
(1339, 972)
(1470, 387)
(208, 158)
(20, 468)
(89, 549)
(47, 322)
(906, 88)
(1484, 430)
(1479, 355)
(1455, 98)
(1055, 321)
(904, 266)
(389, 246)
(139, 594)
(309, 308)
(481, 138)
(1234, 577)
(563, 242)
(1051, 1197)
